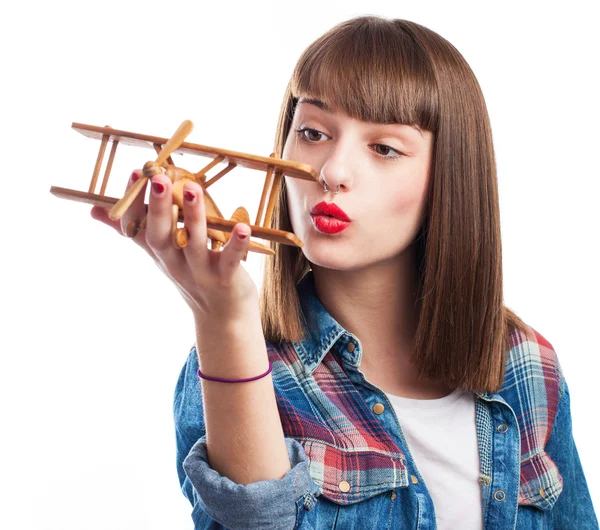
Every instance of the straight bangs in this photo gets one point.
(372, 72)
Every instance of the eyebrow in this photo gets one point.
(415, 127)
(316, 102)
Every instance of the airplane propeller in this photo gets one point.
(150, 169)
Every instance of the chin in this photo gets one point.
(329, 255)
(336, 265)
(351, 255)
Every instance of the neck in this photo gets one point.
(376, 304)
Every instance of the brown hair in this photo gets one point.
(382, 70)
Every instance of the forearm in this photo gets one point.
(245, 440)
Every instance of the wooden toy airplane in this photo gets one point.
(218, 228)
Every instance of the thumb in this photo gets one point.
(101, 214)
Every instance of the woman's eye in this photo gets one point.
(310, 135)
(385, 151)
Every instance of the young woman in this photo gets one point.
(378, 381)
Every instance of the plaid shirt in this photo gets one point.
(325, 405)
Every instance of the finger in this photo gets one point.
(159, 222)
(137, 211)
(101, 214)
(194, 214)
(234, 250)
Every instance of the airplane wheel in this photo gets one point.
(180, 238)
(132, 228)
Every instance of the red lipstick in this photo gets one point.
(329, 218)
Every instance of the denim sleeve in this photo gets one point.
(278, 503)
(573, 508)
(219, 502)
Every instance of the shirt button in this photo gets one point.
(344, 486)
(414, 479)
(378, 408)
(502, 428)
(499, 495)
(393, 495)
(350, 347)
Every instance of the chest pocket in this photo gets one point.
(347, 475)
(540, 482)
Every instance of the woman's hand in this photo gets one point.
(213, 283)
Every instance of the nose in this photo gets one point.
(336, 171)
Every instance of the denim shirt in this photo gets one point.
(352, 468)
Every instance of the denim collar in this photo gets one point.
(322, 331)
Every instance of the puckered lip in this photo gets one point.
(324, 208)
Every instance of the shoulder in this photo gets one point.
(532, 364)
(283, 353)
(290, 377)
(533, 385)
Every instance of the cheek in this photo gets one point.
(295, 197)
(289, 147)
(406, 205)
(291, 195)
(408, 198)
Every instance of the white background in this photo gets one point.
(93, 336)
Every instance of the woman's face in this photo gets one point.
(382, 172)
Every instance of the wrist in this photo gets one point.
(245, 326)
(232, 349)
(243, 380)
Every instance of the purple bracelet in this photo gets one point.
(219, 380)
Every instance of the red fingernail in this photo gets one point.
(158, 188)
(242, 236)
(189, 196)
(134, 176)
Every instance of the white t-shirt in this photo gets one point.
(442, 439)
